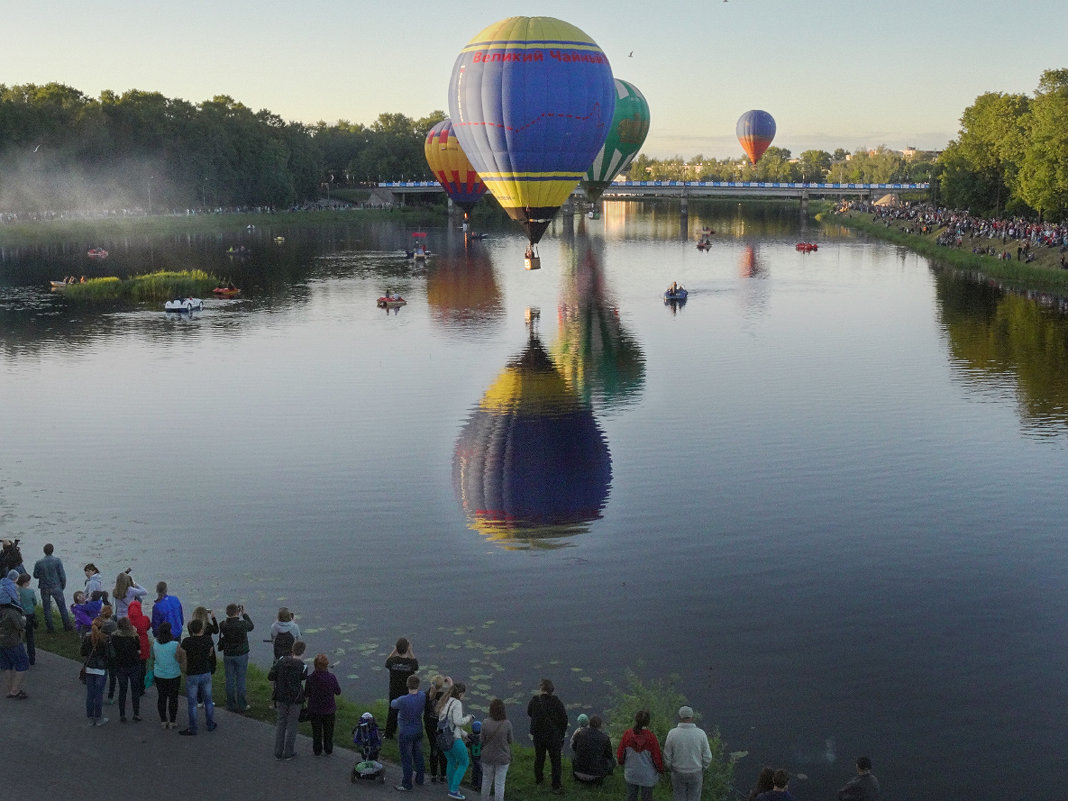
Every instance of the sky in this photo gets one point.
(832, 73)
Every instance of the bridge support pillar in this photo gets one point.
(804, 201)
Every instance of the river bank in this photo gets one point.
(53, 680)
(107, 228)
(1044, 274)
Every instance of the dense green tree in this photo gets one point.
(1042, 179)
(980, 165)
(813, 165)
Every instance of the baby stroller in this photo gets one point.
(369, 741)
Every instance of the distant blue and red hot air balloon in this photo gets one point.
(531, 101)
(755, 130)
(451, 166)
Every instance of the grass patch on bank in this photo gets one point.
(1044, 274)
(158, 286)
(660, 697)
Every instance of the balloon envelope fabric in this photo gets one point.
(755, 131)
(630, 126)
(531, 101)
(451, 166)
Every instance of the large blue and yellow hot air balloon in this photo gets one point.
(755, 130)
(531, 101)
(452, 168)
(630, 126)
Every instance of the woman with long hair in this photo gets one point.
(436, 759)
(168, 673)
(639, 754)
(451, 710)
(126, 592)
(764, 783)
(496, 750)
(126, 646)
(210, 629)
(95, 651)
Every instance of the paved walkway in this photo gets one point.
(61, 756)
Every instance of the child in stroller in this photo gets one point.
(369, 741)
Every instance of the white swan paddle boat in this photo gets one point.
(183, 306)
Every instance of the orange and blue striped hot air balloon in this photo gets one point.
(451, 166)
(531, 101)
(755, 131)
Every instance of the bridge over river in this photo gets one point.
(684, 190)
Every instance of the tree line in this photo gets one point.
(1011, 154)
(61, 149)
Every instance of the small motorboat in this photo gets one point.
(97, 253)
(59, 284)
(391, 301)
(676, 295)
(807, 247)
(704, 244)
(226, 291)
(183, 306)
(419, 250)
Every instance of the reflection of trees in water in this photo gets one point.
(531, 465)
(594, 352)
(997, 334)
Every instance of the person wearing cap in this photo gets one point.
(862, 787)
(583, 721)
(687, 755)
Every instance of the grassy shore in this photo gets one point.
(659, 697)
(1044, 274)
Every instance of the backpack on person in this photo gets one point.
(283, 644)
(444, 737)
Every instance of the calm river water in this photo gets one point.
(827, 493)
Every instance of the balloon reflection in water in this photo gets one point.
(595, 353)
(531, 464)
(462, 292)
(749, 267)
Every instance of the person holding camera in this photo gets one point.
(11, 557)
(233, 641)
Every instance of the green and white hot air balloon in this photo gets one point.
(630, 125)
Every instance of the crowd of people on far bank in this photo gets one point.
(1000, 237)
(125, 651)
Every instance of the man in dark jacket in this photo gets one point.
(233, 637)
(593, 754)
(862, 787)
(548, 725)
(288, 677)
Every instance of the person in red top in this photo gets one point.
(141, 625)
(639, 754)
